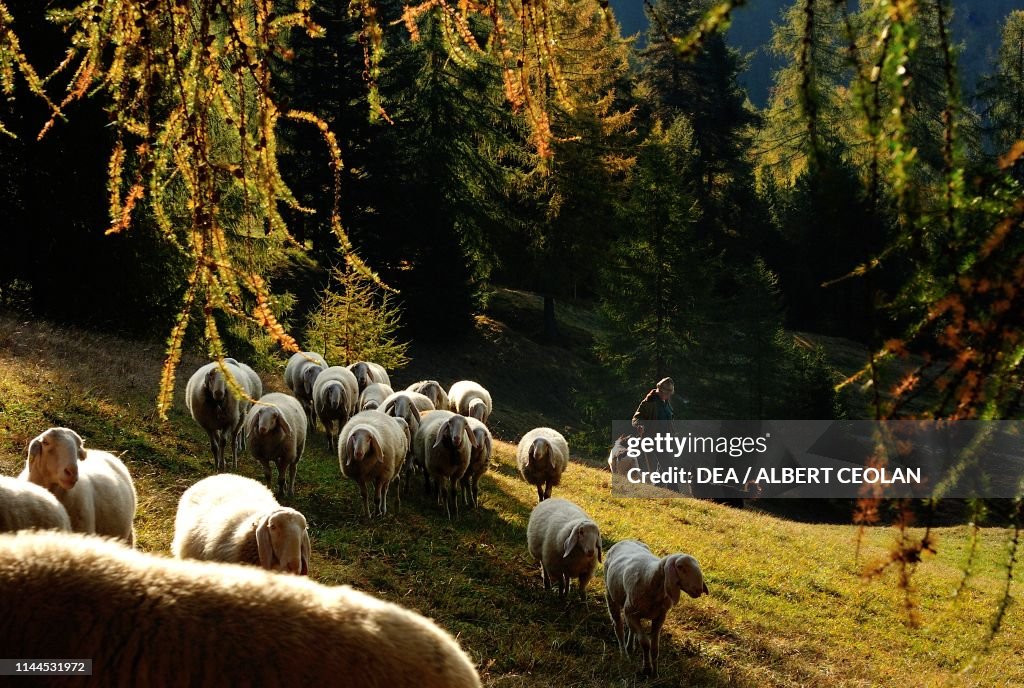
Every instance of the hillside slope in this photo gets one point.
(788, 604)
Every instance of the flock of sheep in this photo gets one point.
(381, 438)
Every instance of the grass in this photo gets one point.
(789, 606)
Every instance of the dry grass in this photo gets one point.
(788, 604)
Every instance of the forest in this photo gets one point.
(516, 192)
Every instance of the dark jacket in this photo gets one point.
(652, 408)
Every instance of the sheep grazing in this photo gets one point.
(216, 408)
(643, 586)
(25, 505)
(367, 373)
(335, 397)
(566, 542)
(442, 448)
(619, 462)
(479, 461)
(300, 375)
(93, 486)
(372, 449)
(374, 395)
(275, 430)
(236, 520)
(542, 457)
(470, 399)
(175, 624)
(432, 390)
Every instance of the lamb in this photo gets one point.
(470, 399)
(25, 505)
(300, 375)
(154, 621)
(275, 430)
(542, 457)
(479, 461)
(367, 373)
(433, 390)
(237, 520)
(374, 395)
(335, 397)
(442, 448)
(566, 542)
(217, 409)
(643, 586)
(93, 486)
(372, 448)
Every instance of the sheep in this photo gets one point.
(93, 486)
(275, 430)
(216, 408)
(643, 586)
(403, 405)
(25, 505)
(421, 401)
(566, 542)
(479, 461)
(372, 448)
(237, 520)
(470, 399)
(335, 398)
(367, 373)
(433, 390)
(374, 395)
(542, 457)
(300, 375)
(442, 448)
(254, 390)
(153, 621)
(619, 462)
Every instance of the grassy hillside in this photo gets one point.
(788, 605)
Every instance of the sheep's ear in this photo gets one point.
(282, 423)
(704, 588)
(263, 545)
(473, 441)
(35, 450)
(350, 449)
(80, 446)
(305, 553)
(600, 547)
(571, 541)
(377, 451)
(445, 430)
(487, 446)
(668, 564)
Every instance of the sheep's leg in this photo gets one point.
(476, 491)
(656, 624)
(398, 491)
(267, 476)
(366, 499)
(382, 506)
(637, 633)
(426, 482)
(540, 493)
(215, 446)
(233, 437)
(291, 478)
(454, 494)
(281, 484)
(563, 587)
(584, 579)
(547, 490)
(545, 576)
(615, 612)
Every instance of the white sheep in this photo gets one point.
(236, 520)
(335, 400)
(566, 542)
(155, 621)
(255, 391)
(374, 395)
(642, 586)
(367, 373)
(93, 486)
(619, 461)
(371, 449)
(432, 390)
(300, 375)
(275, 430)
(479, 461)
(213, 405)
(542, 457)
(442, 448)
(470, 399)
(25, 505)
(421, 401)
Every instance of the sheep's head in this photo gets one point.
(53, 458)
(216, 385)
(478, 409)
(432, 390)
(270, 420)
(333, 394)
(456, 431)
(282, 541)
(585, 538)
(362, 373)
(482, 447)
(683, 574)
(310, 372)
(540, 453)
(363, 444)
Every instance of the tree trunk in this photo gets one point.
(550, 324)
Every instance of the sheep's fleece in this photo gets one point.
(153, 621)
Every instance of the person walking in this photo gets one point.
(656, 405)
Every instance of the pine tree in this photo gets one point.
(1004, 90)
